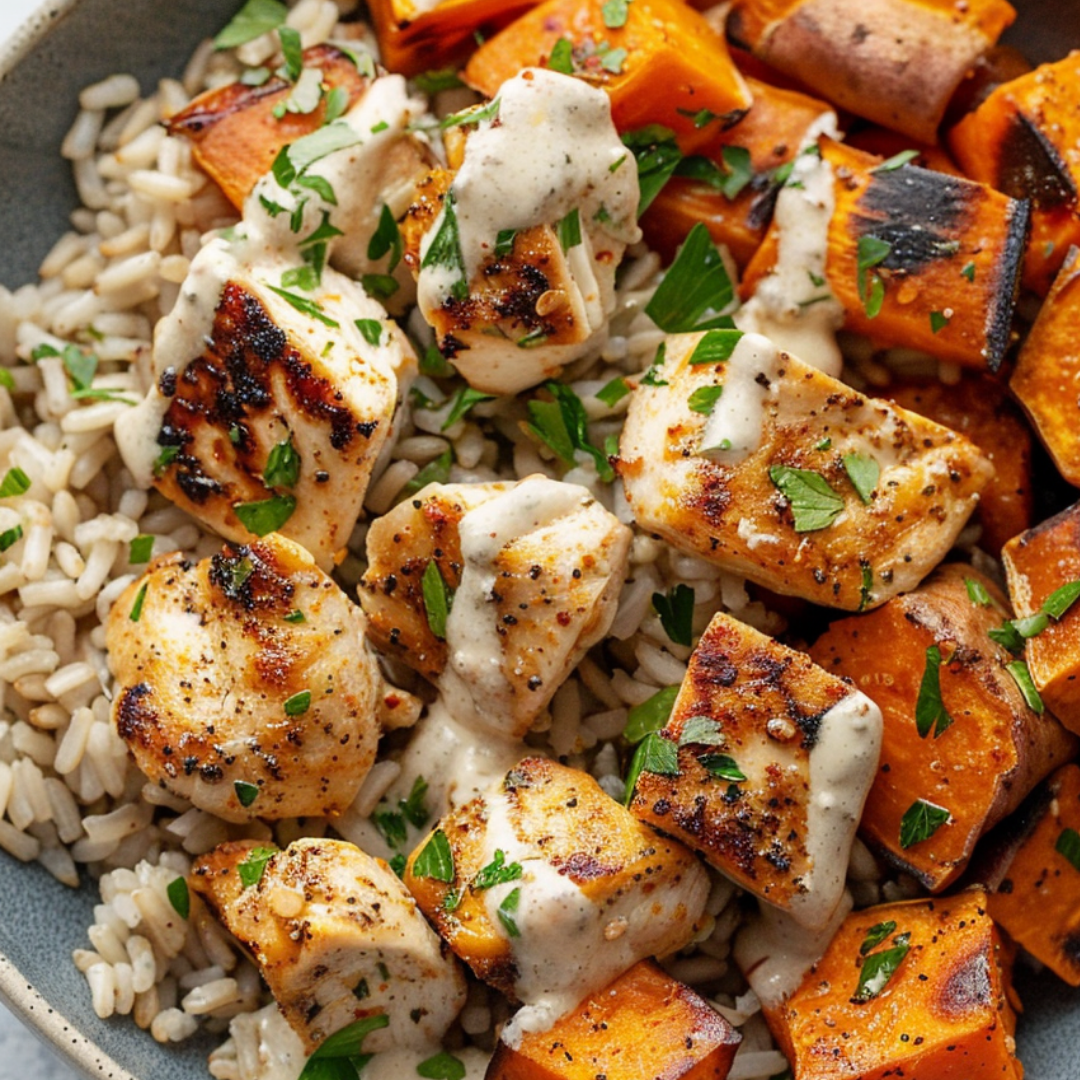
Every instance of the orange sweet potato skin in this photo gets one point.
(772, 132)
(1036, 563)
(234, 133)
(1036, 901)
(944, 1014)
(980, 767)
(675, 65)
(1048, 365)
(980, 409)
(645, 1024)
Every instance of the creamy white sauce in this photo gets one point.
(401, 1063)
(843, 763)
(788, 307)
(474, 684)
(735, 426)
(776, 952)
(553, 148)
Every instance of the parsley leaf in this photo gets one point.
(436, 860)
(736, 174)
(651, 715)
(265, 515)
(438, 599)
(1068, 844)
(10, 537)
(1061, 599)
(701, 731)
(905, 157)
(654, 754)
(318, 144)
(386, 239)
(305, 306)
(464, 401)
(343, 1048)
(140, 549)
(293, 53)
(179, 897)
(255, 18)
(282, 465)
(298, 704)
(715, 347)
(814, 504)
(371, 330)
(864, 473)
(563, 425)
(442, 1066)
(879, 968)
(875, 936)
(445, 249)
(436, 471)
(246, 793)
(1022, 677)
(433, 82)
(676, 611)
(722, 767)
(15, 482)
(657, 155)
(613, 392)
(568, 230)
(920, 821)
(140, 598)
(969, 271)
(695, 289)
(977, 593)
(497, 872)
(252, 868)
(615, 13)
(871, 252)
(938, 321)
(506, 912)
(561, 58)
(930, 712)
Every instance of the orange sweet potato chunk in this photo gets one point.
(771, 132)
(979, 409)
(234, 133)
(1024, 140)
(1036, 901)
(968, 753)
(412, 41)
(1037, 563)
(918, 989)
(1048, 368)
(645, 1024)
(897, 62)
(666, 65)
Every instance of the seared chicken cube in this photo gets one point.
(763, 767)
(516, 252)
(744, 455)
(270, 408)
(244, 683)
(337, 938)
(494, 591)
(549, 889)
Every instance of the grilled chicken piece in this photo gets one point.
(779, 473)
(516, 252)
(534, 569)
(249, 668)
(337, 938)
(555, 888)
(265, 417)
(236, 137)
(771, 762)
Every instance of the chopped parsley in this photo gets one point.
(246, 793)
(864, 473)
(255, 18)
(298, 704)
(1061, 599)
(445, 249)
(969, 271)
(657, 155)
(433, 82)
(977, 593)
(701, 731)
(265, 515)
(652, 376)
(386, 240)
(436, 471)
(1068, 844)
(507, 912)
(252, 868)
(561, 58)
(568, 230)
(140, 549)
(413, 810)
(563, 426)
(81, 368)
(282, 465)
(938, 321)
(875, 936)
(613, 392)
(504, 242)
(871, 252)
(371, 330)
(651, 715)
(722, 767)
(474, 114)
(9, 537)
(1022, 677)
(296, 616)
(292, 52)
(442, 1066)
(905, 157)
(1012, 633)
(345, 1049)
(140, 598)
(878, 968)
(920, 821)
(676, 611)
(304, 306)
(497, 872)
(930, 712)
(380, 286)
(654, 754)
(715, 347)
(615, 13)
(179, 897)
(814, 504)
(436, 860)
(730, 180)
(695, 289)
(337, 101)
(438, 599)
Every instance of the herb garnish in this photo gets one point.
(651, 715)
(386, 239)
(438, 599)
(563, 425)
(497, 872)
(140, 598)
(265, 515)
(1022, 677)
(252, 868)
(871, 252)
(255, 18)
(657, 155)
(864, 473)
(436, 860)
(464, 401)
(298, 704)
(442, 1066)
(930, 711)
(615, 13)
(905, 157)
(140, 549)
(246, 793)
(715, 346)
(695, 289)
(875, 936)
(676, 611)
(179, 897)
(341, 1056)
(282, 465)
(977, 593)
(878, 968)
(445, 249)
(654, 754)
(436, 471)
(371, 330)
(9, 537)
(507, 910)
(613, 392)
(814, 504)
(920, 821)
(1068, 844)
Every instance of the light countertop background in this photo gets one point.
(21, 1054)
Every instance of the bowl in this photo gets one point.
(64, 46)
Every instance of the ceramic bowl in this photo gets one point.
(67, 45)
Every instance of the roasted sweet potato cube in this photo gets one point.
(771, 133)
(763, 487)
(549, 889)
(767, 760)
(1035, 901)
(1048, 368)
(644, 1025)
(1023, 140)
(896, 62)
(951, 272)
(915, 989)
(1037, 563)
(665, 65)
(235, 134)
(980, 410)
(961, 745)
(560, 564)
(417, 38)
